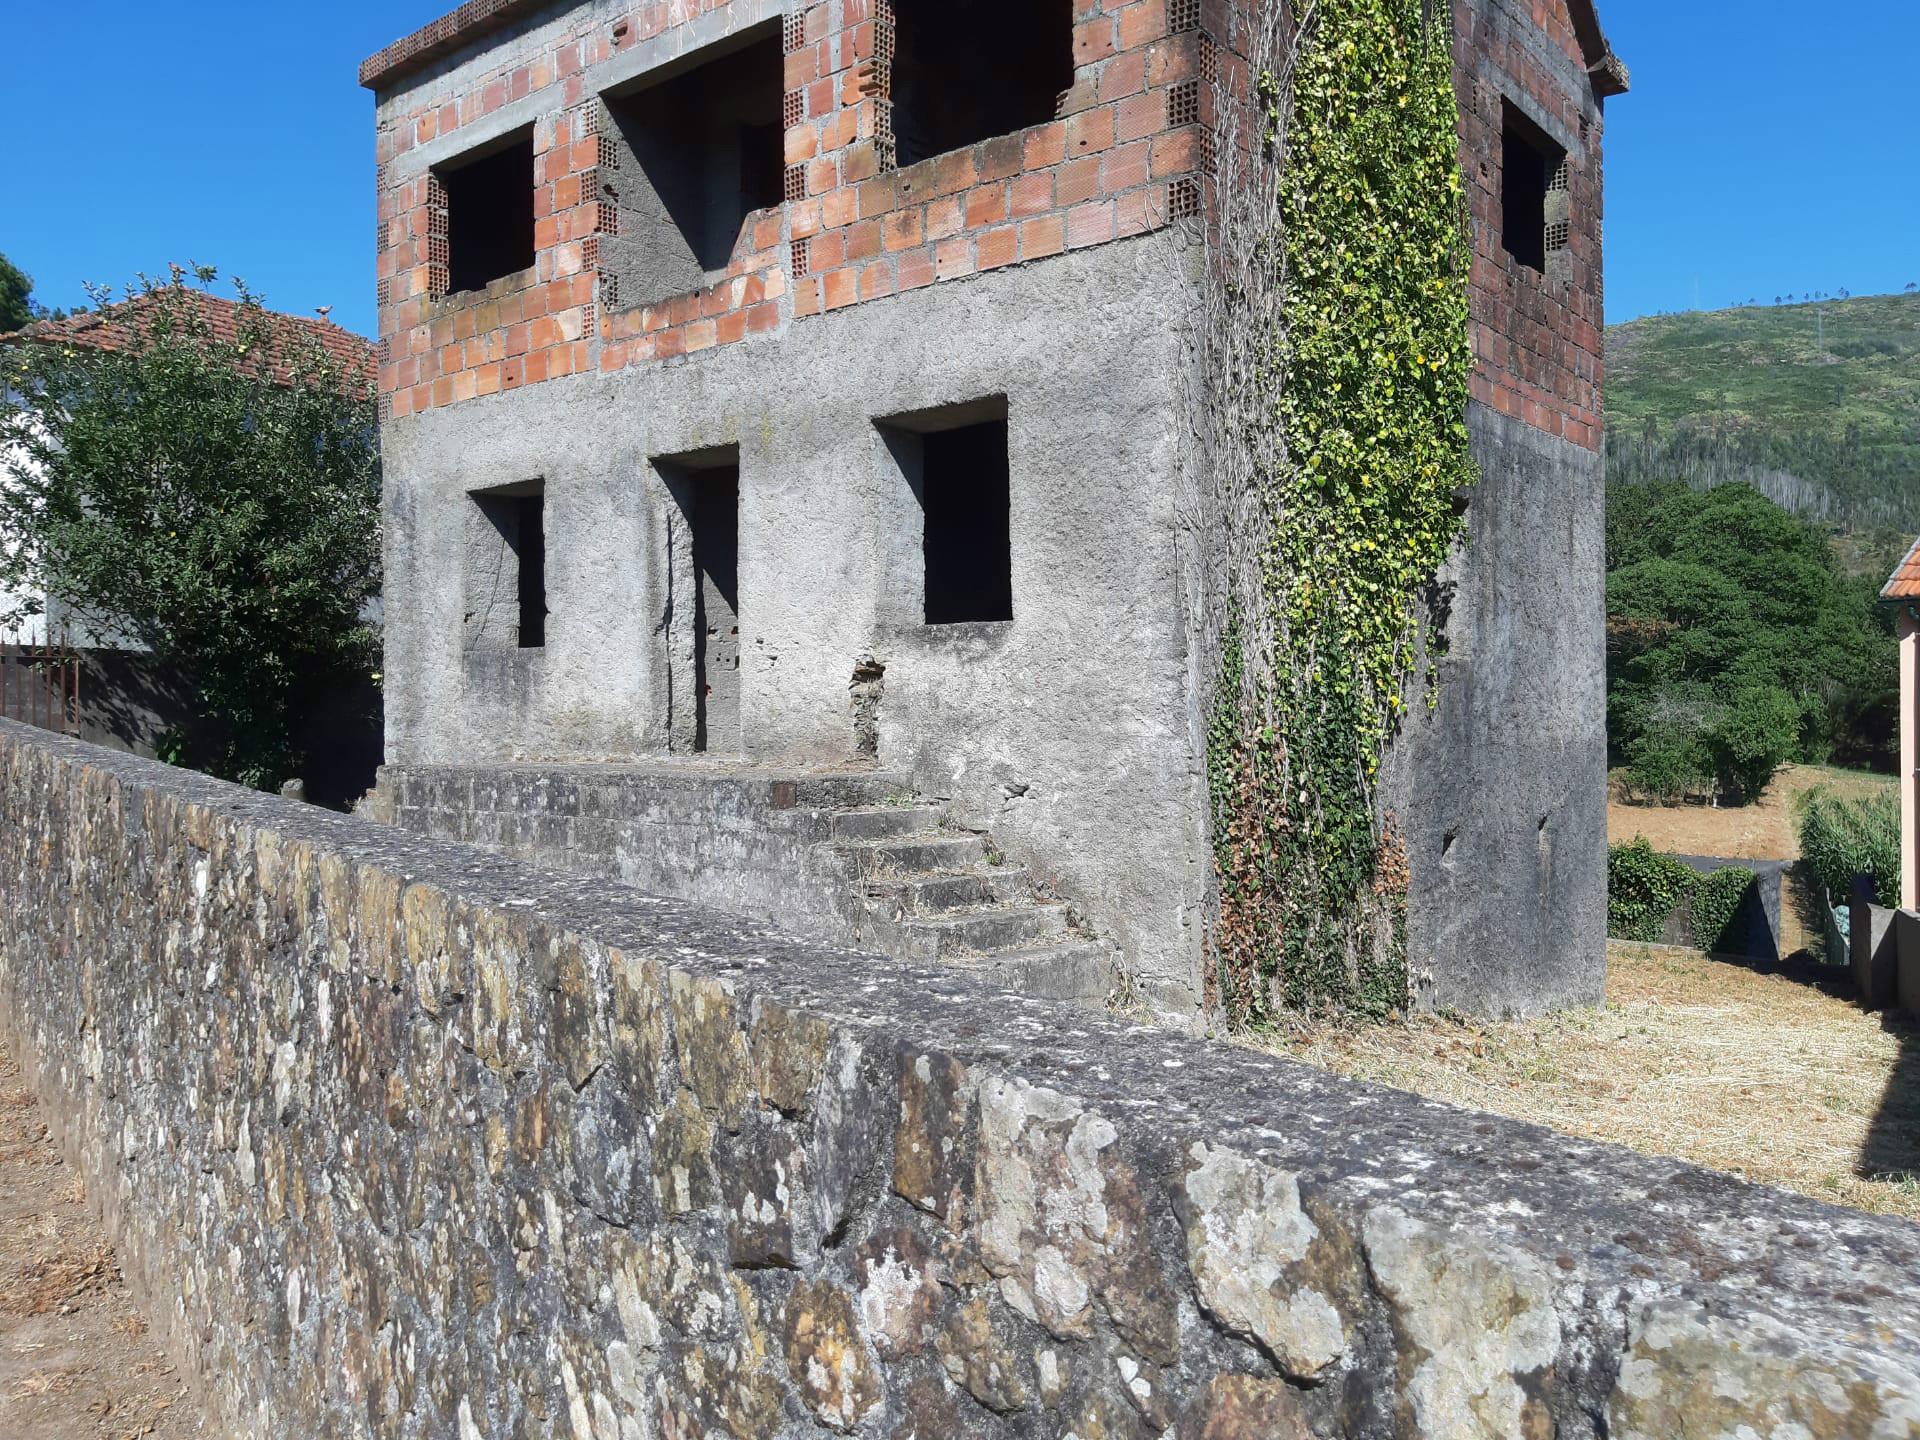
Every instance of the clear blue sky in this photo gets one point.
(1767, 148)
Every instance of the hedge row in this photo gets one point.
(1645, 888)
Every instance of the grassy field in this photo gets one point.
(1766, 1076)
(1829, 393)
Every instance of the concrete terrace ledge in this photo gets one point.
(405, 1140)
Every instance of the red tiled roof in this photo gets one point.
(105, 329)
(477, 17)
(1904, 583)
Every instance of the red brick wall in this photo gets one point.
(1537, 337)
(851, 229)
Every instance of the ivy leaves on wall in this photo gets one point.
(1365, 381)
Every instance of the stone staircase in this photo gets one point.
(928, 891)
(849, 856)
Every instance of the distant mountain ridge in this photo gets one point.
(1817, 405)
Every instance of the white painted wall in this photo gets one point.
(33, 630)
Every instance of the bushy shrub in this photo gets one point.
(1758, 732)
(1717, 901)
(1843, 836)
(1644, 888)
(209, 488)
(1667, 762)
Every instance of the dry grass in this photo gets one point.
(1764, 830)
(1766, 1076)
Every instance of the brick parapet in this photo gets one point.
(1120, 159)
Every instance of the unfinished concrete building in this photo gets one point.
(786, 404)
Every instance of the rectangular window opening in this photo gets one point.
(1534, 221)
(489, 196)
(507, 568)
(966, 73)
(955, 461)
(704, 594)
(693, 156)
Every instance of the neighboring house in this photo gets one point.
(1902, 592)
(22, 611)
(773, 390)
(128, 700)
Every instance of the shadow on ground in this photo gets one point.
(1892, 1148)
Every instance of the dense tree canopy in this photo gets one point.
(16, 297)
(207, 485)
(1735, 642)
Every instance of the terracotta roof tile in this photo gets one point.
(105, 329)
(1904, 583)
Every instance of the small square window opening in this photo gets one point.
(489, 199)
(1534, 218)
(695, 154)
(507, 568)
(966, 73)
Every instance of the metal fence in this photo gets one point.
(40, 685)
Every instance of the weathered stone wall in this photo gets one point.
(412, 1142)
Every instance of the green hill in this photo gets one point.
(1816, 405)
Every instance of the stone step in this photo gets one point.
(962, 890)
(887, 822)
(987, 932)
(1080, 971)
(929, 852)
(846, 789)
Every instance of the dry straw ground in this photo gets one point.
(1764, 830)
(1775, 1077)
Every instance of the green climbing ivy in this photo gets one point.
(1366, 382)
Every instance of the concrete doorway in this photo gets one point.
(703, 620)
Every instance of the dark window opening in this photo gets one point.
(967, 541)
(532, 584)
(507, 568)
(695, 155)
(966, 72)
(1533, 185)
(489, 214)
(706, 490)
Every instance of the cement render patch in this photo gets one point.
(419, 1142)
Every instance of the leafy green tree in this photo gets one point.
(1735, 642)
(212, 496)
(16, 297)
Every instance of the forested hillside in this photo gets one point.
(1815, 405)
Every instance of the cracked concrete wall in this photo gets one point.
(402, 1140)
(1068, 729)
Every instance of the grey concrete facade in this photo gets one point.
(1067, 730)
(1500, 788)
